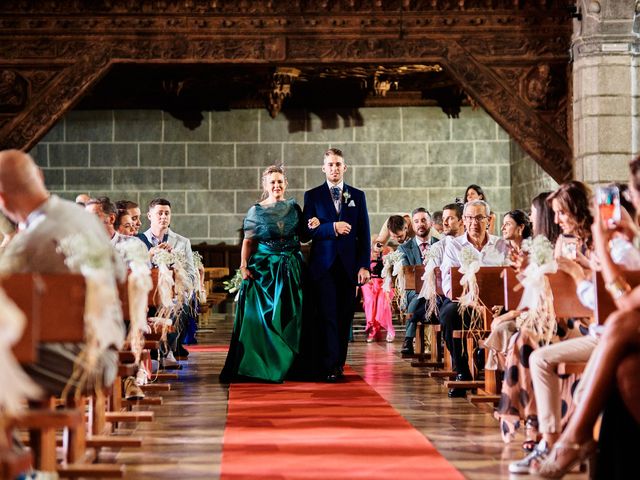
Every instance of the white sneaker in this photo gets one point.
(390, 338)
(141, 376)
(170, 360)
(539, 453)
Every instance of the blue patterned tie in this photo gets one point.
(335, 193)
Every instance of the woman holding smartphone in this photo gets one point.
(570, 204)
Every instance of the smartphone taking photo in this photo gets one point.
(609, 204)
(569, 247)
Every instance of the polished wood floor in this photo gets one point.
(185, 439)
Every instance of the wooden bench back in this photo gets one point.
(565, 300)
(154, 295)
(512, 289)
(62, 298)
(413, 278)
(215, 273)
(53, 305)
(491, 285)
(605, 305)
(20, 288)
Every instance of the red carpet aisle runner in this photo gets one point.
(207, 348)
(323, 431)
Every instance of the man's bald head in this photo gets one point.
(22, 187)
(19, 174)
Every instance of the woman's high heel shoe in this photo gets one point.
(574, 453)
(532, 437)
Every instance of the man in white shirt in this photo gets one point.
(46, 220)
(490, 251)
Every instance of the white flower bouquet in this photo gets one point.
(392, 267)
(428, 290)
(233, 284)
(537, 297)
(470, 298)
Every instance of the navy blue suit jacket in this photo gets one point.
(354, 249)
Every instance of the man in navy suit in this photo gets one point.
(339, 259)
(413, 252)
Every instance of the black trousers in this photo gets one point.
(334, 297)
(450, 320)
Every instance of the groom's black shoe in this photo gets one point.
(331, 378)
(340, 372)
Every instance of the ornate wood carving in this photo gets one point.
(536, 136)
(508, 55)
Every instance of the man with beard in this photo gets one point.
(413, 252)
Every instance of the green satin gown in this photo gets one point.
(266, 331)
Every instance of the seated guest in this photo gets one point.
(616, 351)
(160, 237)
(570, 205)
(475, 192)
(124, 224)
(515, 228)
(452, 228)
(45, 220)
(399, 230)
(133, 210)
(436, 218)
(413, 252)
(82, 199)
(385, 235)
(490, 251)
(105, 210)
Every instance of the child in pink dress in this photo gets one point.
(377, 302)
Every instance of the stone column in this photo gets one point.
(606, 89)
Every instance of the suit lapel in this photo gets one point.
(416, 250)
(171, 239)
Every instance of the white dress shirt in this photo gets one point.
(494, 253)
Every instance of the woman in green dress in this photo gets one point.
(268, 322)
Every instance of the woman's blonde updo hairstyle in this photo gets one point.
(268, 171)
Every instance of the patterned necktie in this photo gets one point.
(423, 248)
(335, 193)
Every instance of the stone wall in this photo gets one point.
(528, 179)
(402, 157)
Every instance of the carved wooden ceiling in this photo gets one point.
(511, 57)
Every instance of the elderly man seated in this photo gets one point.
(44, 221)
(490, 251)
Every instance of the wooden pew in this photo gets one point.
(413, 276)
(491, 287)
(565, 303)
(605, 305)
(13, 463)
(213, 275)
(56, 314)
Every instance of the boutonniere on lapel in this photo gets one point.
(347, 199)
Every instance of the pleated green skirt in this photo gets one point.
(268, 321)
